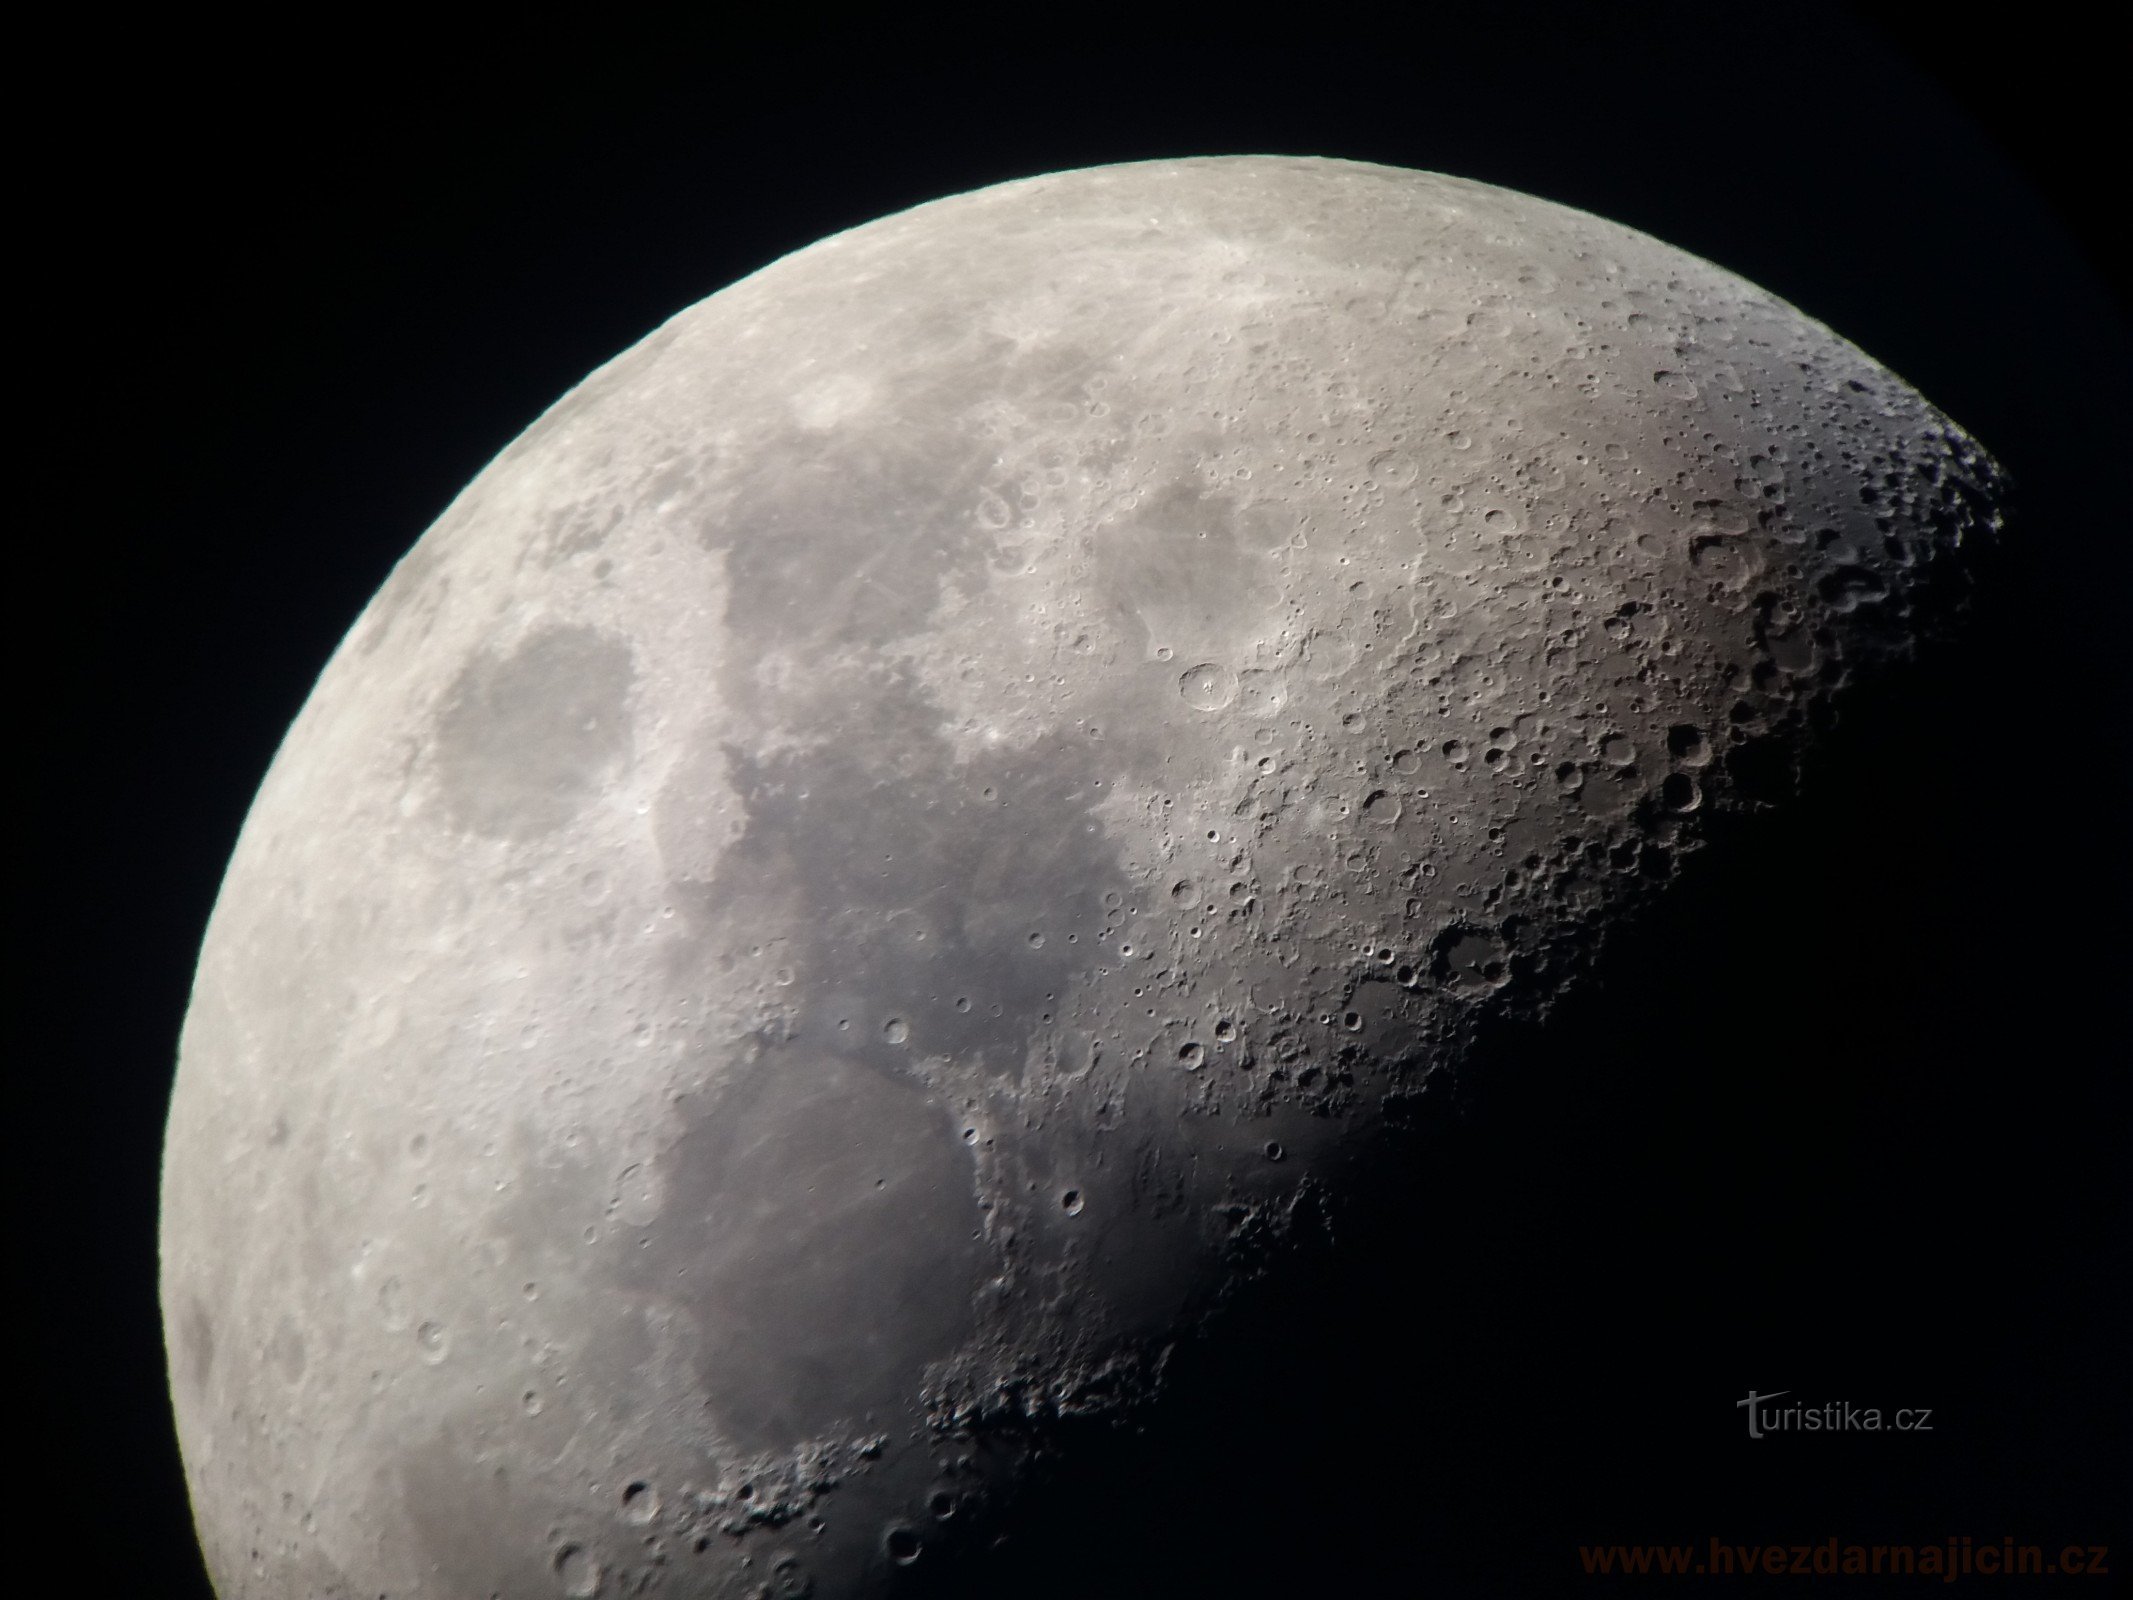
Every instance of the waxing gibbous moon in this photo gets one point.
(883, 853)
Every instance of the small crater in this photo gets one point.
(1261, 693)
(1848, 588)
(1208, 687)
(577, 1572)
(1726, 559)
(1686, 744)
(1471, 959)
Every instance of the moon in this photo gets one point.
(885, 854)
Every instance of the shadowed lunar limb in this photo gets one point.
(884, 854)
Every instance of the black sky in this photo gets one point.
(1851, 1120)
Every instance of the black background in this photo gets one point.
(1849, 1119)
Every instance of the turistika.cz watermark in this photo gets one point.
(1766, 1416)
(1946, 1560)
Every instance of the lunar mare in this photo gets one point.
(888, 849)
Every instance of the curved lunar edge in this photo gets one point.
(885, 853)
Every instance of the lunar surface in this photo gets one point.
(881, 858)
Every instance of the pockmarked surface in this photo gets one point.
(884, 854)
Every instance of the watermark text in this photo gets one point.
(1957, 1556)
